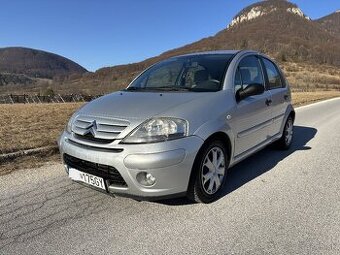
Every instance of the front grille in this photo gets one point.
(90, 138)
(98, 129)
(109, 173)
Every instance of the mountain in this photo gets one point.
(331, 23)
(307, 50)
(276, 27)
(36, 63)
(263, 8)
(279, 29)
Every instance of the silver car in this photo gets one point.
(179, 126)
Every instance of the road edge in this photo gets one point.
(318, 102)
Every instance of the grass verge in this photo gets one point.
(304, 98)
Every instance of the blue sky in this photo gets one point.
(106, 33)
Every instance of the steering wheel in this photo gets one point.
(215, 81)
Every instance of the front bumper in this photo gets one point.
(169, 162)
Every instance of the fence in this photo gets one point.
(38, 99)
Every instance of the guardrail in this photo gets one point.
(39, 99)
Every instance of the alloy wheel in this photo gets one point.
(288, 133)
(213, 170)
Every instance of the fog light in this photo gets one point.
(146, 179)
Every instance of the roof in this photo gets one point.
(210, 52)
(222, 52)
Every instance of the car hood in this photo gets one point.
(137, 105)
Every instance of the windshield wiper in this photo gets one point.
(165, 88)
(133, 88)
(172, 88)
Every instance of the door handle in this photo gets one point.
(268, 102)
(286, 97)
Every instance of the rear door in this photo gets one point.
(252, 114)
(280, 95)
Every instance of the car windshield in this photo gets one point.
(199, 73)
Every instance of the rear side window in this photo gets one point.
(274, 78)
(248, 72)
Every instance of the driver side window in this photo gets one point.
(191, 74)
(163, 76)
(248, 72)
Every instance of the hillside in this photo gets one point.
(36, 63)
(331, 23)
(8, 78)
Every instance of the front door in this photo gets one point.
(253, 115)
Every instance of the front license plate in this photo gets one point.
(90, 179)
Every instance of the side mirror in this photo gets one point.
(251, 90)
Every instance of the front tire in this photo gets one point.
(209, 173)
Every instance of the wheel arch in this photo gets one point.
(223, 137)
(220, 136)
(289, 112)
(292, 113)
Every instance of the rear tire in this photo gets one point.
(209, 173)
(286, 139)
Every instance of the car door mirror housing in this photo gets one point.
(251, 90)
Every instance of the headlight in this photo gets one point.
(158, 130)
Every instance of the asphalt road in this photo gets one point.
(275, 203)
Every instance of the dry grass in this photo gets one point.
(26, 126)
(303, 98)
(307, 77)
